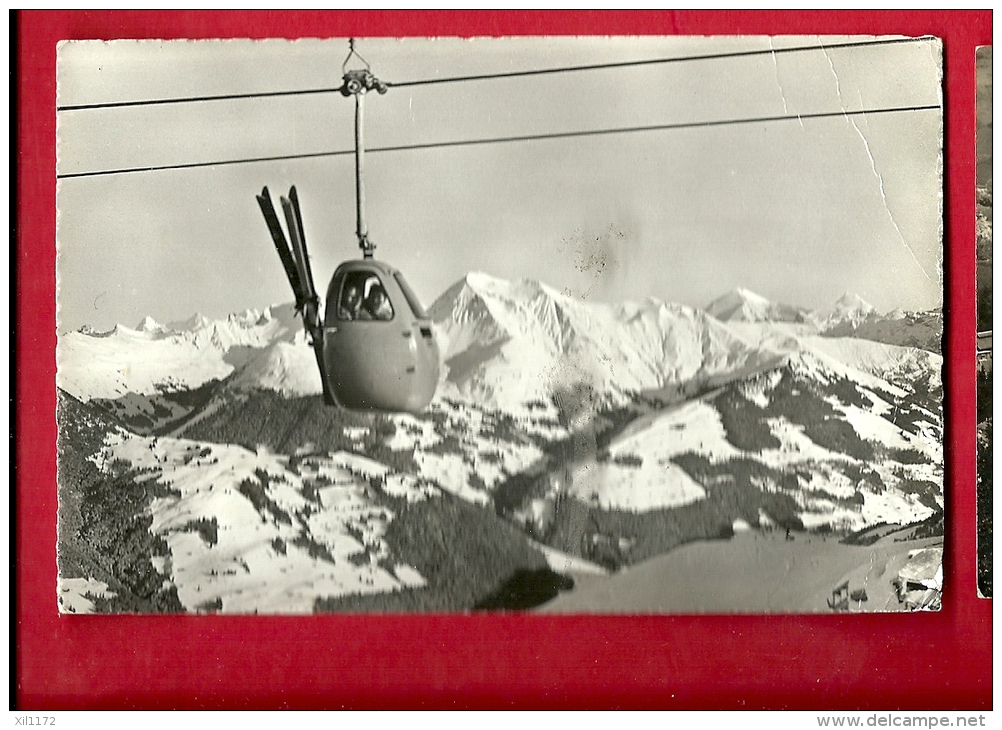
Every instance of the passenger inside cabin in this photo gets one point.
(351, 301)
(377, 305)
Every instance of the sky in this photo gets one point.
(800, 211)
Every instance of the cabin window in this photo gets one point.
(363, 297)
(410, 296)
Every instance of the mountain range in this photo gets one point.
(566, 436)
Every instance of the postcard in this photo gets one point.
(645, 325)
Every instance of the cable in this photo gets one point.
(652, 61)
(190, 165)
(189, 99)
(649, 128)
(481, 77)
(502, 140)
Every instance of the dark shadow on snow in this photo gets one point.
(526, 589)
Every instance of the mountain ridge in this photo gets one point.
(564, 433)
(489, 329)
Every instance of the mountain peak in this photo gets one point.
(745, 305)
(513, 342)
(478, 288)
(851, 300)
(851, 308)
(149, 325)
(748, 294)
(483, 283)
(481, 279)
(195, 322)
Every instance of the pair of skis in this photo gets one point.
(296, 263)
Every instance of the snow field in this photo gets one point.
(452, 475)
(872, 427)
(693, 427)
(480, 460)
(894, 507)
(653, 485)
(72, 594)
(796, 447)
(877, 359)
(274, 557)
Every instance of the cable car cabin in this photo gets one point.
(378, 347)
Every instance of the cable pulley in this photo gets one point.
(360, 80)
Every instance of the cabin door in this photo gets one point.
(369, 345)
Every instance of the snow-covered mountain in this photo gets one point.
(563, 432)
(145, 375)
(746, 306)
(507, 343)
(911, 329)
(154, 358)
(503, 342)
(850, 316)
(849, 309)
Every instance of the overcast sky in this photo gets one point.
(798, 211)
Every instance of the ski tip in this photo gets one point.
(292, 192)
(264, 192)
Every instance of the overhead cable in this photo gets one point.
(653, 61)
(509, 139)
(502, 75)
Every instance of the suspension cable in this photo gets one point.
(509, 139)
(653, 61)
(482, 77)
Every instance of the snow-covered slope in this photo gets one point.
(912, 329)
(508, 343)
(155, 374)
(796, 406)
(154, 358)
(890, 362)
(253, 532)
(286, 366)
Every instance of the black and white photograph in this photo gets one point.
(984, 314)
(564, 325)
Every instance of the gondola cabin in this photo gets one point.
(379, 349)
(375, 349)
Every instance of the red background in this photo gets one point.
(929, 661)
